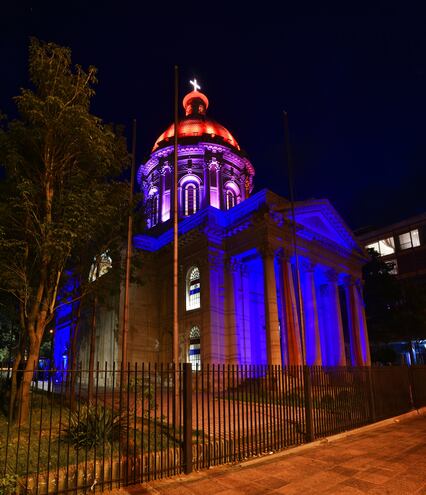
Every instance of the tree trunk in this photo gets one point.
(25, 386)
(73, 356)
(92, 349)
(14, 383)
(34, 330)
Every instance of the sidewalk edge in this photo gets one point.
(325, 440)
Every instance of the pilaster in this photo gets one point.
(213, 307)
(206, 171)
(232, 354)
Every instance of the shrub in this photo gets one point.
(5, 384)
(94, 426)
(8, 484)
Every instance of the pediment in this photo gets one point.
(323, 221)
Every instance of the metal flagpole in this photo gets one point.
(300, 310)
(307, 379)
(128, 255)
(175, 234)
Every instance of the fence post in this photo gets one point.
(371, 394)
(307, 382)
(187, 418)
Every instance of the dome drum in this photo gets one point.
(212, 170)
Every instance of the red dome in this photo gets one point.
(195, 124)
(194, 127)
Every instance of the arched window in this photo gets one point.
(232, 194)
(194, 356)
(230, 199)
(193, 294)
(154, 209)
(191, 198)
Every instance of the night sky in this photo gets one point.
(354, 88)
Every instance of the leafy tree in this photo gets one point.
(382, 295)
(59, 192)
(395, 308)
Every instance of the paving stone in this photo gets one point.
(390, 460)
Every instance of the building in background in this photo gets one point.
(403, 246)
(238, 298)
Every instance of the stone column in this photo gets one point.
(359, 345)
(273, 347)
(332, 338)
(241, 184)
(206, 198)
(293, 351)
(231, 333)
(219, 185)
(172, 191)
(310, 311)
(161, 195)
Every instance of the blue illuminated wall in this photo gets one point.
(257, 311)
(62, 330)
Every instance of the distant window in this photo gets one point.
(383, 247)
(393, 264)
(193, 294)
(194, 354)
(409, 239)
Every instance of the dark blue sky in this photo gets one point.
(354, 88)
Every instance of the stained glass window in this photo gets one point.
(193, 294)
(191, 199)
(194, 355)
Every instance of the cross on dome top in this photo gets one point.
(195, 84)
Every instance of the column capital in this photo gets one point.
(267, 251)
(348, 280)
(215, 259)
(351, 280)
(233, 265)
(332, 276)
(306, 265)
(213, 163)
(283, 254)
(164, 168)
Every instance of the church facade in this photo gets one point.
(237, 280)
(237, 268)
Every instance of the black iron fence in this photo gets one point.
(110, 426)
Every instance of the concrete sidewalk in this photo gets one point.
(389, 458)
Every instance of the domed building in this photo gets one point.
(238, 300)
(237, 273)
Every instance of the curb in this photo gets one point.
(333, 438)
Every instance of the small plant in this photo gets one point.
(5, 395)
(8, 484)
(95, 426)
(147, 394)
